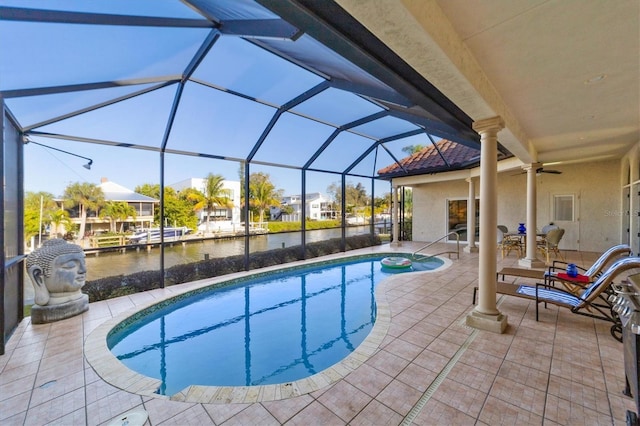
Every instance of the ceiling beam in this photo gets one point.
(64, 17)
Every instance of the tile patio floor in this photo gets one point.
(428, 369)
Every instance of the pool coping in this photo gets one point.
(114, 372)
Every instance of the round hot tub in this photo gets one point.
(396, 262)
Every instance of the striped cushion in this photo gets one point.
(550, 295)
(599, 264)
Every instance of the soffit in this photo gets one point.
(528, 62)
(538, 55)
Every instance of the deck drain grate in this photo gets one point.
(426, 396)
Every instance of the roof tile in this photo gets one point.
(429, 160)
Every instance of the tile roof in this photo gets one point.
(429, 160)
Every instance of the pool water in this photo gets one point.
(274, 329)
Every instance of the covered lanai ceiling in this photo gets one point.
(238, 80)
(563, 74)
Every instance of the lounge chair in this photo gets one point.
(591, 303)
(556, 270)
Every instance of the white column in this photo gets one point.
(486, 315)
(530, 259)
(395, 216)
(471, 218)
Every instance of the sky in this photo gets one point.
(208, 120)
(52, 171)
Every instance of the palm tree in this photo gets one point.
(214, 195)
(412, 149)
(262, 193)
(57, 218)
(87, 196)
(117, 211)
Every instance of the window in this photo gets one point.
(458, 218)
(563, 208)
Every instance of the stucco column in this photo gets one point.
(471, 218)
(486, 315)
(395, 216)
(530, 260)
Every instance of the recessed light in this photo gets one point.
(595, 79)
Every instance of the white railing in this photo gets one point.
(449, 252)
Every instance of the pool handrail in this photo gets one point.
(449, 252)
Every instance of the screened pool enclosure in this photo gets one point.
(156, 92)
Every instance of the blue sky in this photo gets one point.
(208, 120)
(52, 171)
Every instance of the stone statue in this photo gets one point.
(57, 271)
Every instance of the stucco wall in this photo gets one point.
(596, 186)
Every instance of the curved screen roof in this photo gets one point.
(230, 79)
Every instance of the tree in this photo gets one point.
(408, 201)
(86, 196)
(58, 218)
(34, 220)
(412, 149)
(382, 204)
(263, 193)
(355, 195)
(287, 209)
(149, 189)
(177, 210)
(214, 195)
(117, 211)
(335, 191)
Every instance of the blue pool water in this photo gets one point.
(273, 329)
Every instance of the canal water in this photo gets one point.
(108, 264)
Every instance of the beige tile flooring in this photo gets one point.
(428, 369)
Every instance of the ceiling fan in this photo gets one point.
(540, 170)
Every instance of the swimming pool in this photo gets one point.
(276, 328)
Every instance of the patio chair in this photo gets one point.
(544, 231)
(506, 244)
(592, 302)
(555, 272)
(550, 243)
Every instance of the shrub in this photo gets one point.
(120, 285)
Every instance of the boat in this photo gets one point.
(152, 235)
(396, 262)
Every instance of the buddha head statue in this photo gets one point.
(57, 271)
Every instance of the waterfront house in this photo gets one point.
(222, 218)
(317, 207)
(143, 205)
